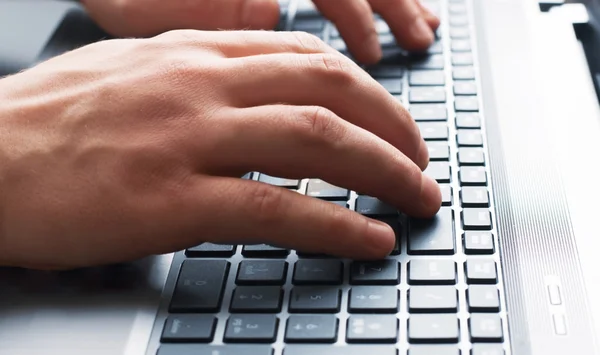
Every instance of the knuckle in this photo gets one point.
(320, 125)
(335, 67)
(307, 41)
(266, 204)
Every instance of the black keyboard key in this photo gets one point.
(251, 328)
(262, 272)
(385, 71)
(210, 250)
(433, 131)
(438, 151)
(318, 272)
(392, 85)
(472, 176)
(340, 350)
(465, 88)
(382, 272)
(433, 328)
(264, 251)
(372, 329)
(466, 103)
(433, 61)
(200, 286)
(373, 299)
(311, 25)
(469, 138)
(437, 349)
(459, 32)
(463, 73)
(197, 349)
(189, 328)
(373, 207)
(287, 183)
(485, 327)
(460, 45)
(471, 156)
(478, 243)
(471, 196)
(311, 329)
(429, 112)
(432, 299)
(483, 298)
(320, 189)
(462, 59)
(476, 219)
(425, 94)
(427, 78)
(487, 349)
(253, 299)
(439, 171)
(432, 272)
(315, 299)
(446, 191)
(433, 236)
(481, 271)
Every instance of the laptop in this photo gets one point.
(509, 265)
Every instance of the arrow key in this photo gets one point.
(253, 299)
(311, 329)
(373, 299)
(372, 329)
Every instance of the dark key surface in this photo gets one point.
(462, 59)
(429, 112)
(460, 45)
(392, 85)
(318, 271)
(264, 251)
(193, 349)
(469, 138)
(200, 286)
(339, 350)
(431, 272)
(251, 328)
(472, 176)
(487, 349)
(382, 272)
(468, 120)
(476, 219)
(309, 25)
(437, 349)
(483, 298)
(262, 272)
(463, 73)
(432, 236)
(466, 103)
(373, 207)
(372, 329)
(433, 130)
(311, 329)
(252, 299)
(472, 196)
(324, 190)
(465, 88)
(189, 328)
(446, 191)
(471, 156)
(438, 151)
(373, 299)
(439, 171)
(433, 328)
(385, 71)
(433, 61)
(481, 271)
(287, 183)
(210, 250)
(427, 78)
(432, 299)
(478, 242)
(424, 94)
(315, 299)
(485, 327)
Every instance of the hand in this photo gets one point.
(410, 21)
(134, 147)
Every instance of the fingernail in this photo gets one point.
(430, 197)
(423, 156)
(373, 47)
(421, 31)
(381, 238)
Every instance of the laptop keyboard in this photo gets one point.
(439, 292)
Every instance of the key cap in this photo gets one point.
(197, 349)
(483, 298)
(469, 138)
(465, 88)
(433, 130)
(472, 176)
(439, 171)
(433, 328)
(427, 78)
(478, 243)
(381, 27)
(463, 73)
(471, 196)
(392, 85)
(481, 271)
(432, 299)
(457, 9)
(434, 350)
(372, 207)
(468, 120)
(431, 272)
(189, 328)
(387, 40)
(338, 44)
(326, 191)
(459, 32)
(466, 103)
(287, 183)
(373, 299)
(199, 286)
(435, 48)
(264, 251)
(471, 156)
(487, 349)
(429, 112)
(446, 191)
(340, 350)
(432, 236)
(425, 94)
(318, 271)
(434, 61)
(462, 59)
(262, 272)
(382, 272)
(251, 328)
(312, 25)
(438, 151)
(476, 219)
(485, 328)
(248, 176)
(252, 299)
(385, 71)
(372, 329)
(315, 299)
(458, 21)
(210, 250)
(460, 45)
(311, 329)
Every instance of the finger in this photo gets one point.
(330, 81)
(354, 20)
(432, 20)
(406, 21)
(310, 141)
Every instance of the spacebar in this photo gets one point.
(340, 350)
(196, 349)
